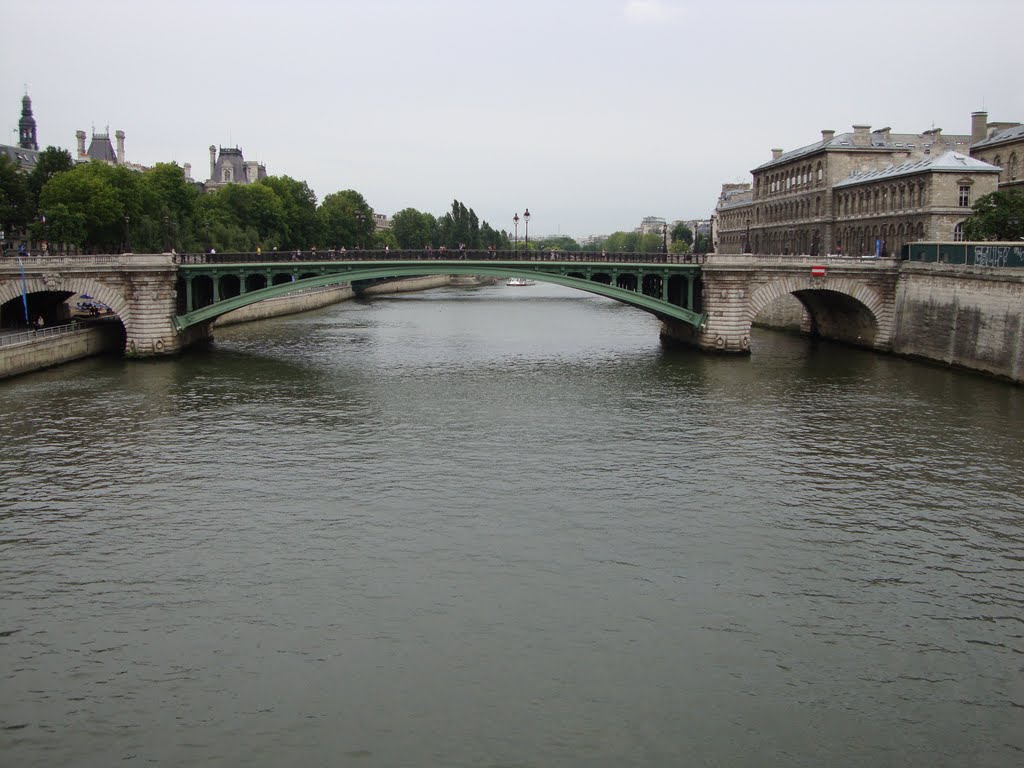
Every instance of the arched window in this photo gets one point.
(820, 173)
(958, 232)
(1011, 167)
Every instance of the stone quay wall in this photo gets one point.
(966, 317)
(287, 305)
(49, 351)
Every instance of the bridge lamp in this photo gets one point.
(526, 218)
(127, 237)
(360, 218)
(515, 223)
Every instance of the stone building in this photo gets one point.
(730, 223)
(1002, 145)
(794, 206)
(877, 212)
(231, 167)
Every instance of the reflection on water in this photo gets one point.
(507, 527)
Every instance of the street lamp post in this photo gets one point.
(127, 236)
(664, 238)
(526, 218)
(167, 237)
(515, 223)
(746, 244)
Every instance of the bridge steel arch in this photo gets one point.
(549, 273)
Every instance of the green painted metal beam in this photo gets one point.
(549, 272)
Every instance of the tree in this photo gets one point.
(702, 244)
(298, 202)
(15, 200)
(251, 206)
(681, 233)
(90, 202)
(560, 243)
(413, 229)
(171, 205)
(997, 216)
(49, 163)
(346, 220)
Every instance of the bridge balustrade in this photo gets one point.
(590, 257)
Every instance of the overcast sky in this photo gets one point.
(591, 113)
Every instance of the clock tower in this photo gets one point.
(27, 126)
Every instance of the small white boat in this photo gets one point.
(519, 281)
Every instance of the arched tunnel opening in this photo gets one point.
(839, 317)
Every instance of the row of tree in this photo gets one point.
(98, 207)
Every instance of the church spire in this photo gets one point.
(27, 126)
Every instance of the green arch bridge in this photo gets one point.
(209, 285)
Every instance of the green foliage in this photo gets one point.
(100, 207)
(702, 244)
(681, 233)
(15, 200)
(631, 242)
(561, 243)
(93, 193)
(301, 227)
(49, 163)
(997, 216)
(346, 220)
(413, 229)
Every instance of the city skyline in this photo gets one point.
(593, 115)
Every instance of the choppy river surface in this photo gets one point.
(506, 527)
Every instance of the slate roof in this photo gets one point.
(26, 159)
(999, 137)
(100, 148)
(898, 142)
(950, 162)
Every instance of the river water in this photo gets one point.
(506, 527)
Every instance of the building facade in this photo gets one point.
(229, 166)
(1002, 145)
(854, 193)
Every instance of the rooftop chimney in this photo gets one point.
(827, 135)
(119, 135)
(80, 136)
(187, 169)
(862, 135)
(883, 133)
(776, 153)
(978, 122)
(213, 161)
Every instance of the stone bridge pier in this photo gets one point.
(140, 289)
(847, 300)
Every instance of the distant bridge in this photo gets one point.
(168, 301)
